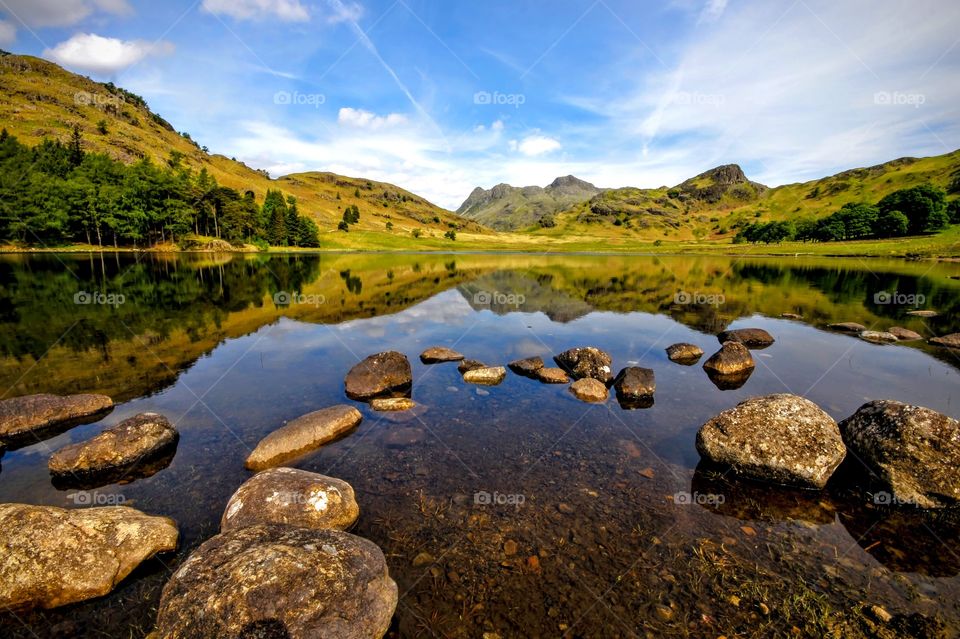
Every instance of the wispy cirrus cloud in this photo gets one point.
(286, 10)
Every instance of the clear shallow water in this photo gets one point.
(204, 341)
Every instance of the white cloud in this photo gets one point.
(62, 13)
(345, 13)
(712, 10)
(286, 10)
(367, 120)
(8, 33)
(535, 144)
(98, 54)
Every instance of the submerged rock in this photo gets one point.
(391, 404)
(635, 387)
(588, 389)
(749, 337)
(528, 367)
(683, 353)
(469, 365)
(32, 418)
(439, 354)
(52, 557)
(904, 334)
(847, 327)
(138, 439)
(878, 337)
(950, 341)
(489, 376)
(292, 497)
(553, 375)
(914, 451)
(303, 434)
(379, 375)
(733, 358)
(586, 362)
(782, 438)
(279, 581)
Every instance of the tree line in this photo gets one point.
(912, 211)
(56, 193)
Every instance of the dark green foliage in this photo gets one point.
(351, 215)
(953, 211)
(102, 127)
(343, 226)
(924, 206)
(891, 224)
(450, 235)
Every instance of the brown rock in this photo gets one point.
(279, 581)
(904, 334)
(528, 367)
(732, 358)
(950, 341)
(793, 316)
(749, 337)
(553, 376)
(923, 313)
(469, 365)
(588, 389)
(684, 353)
(847, 327)
(292, 497)
(379, 375)
(392, 404)
(439, 354)
(303, 434)
(490, 376)
(32, 418)
(878, 337)
(635, 383)
(586, 362)
(52, 557)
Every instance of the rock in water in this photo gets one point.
(379, 375)
(586, 362)
(847, 327)
(923, 313)
(294, 498)
(915, 451)
(588, 389)
(35, 417)
(950, 341)
(303, 434)
(138, 439)
(528, 367)
(783, 439)
(469, 365)
(279, 581)
(749, 337)
(52, 557)
(683, 353)
(439, 354)
(733, 358)
(392, 404)
(489, 376)
(553, 376)
(904, 334)
(635, 387)
(878, 337)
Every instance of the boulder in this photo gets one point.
(914, 451)
(586, 362)
(292, 497)
(303, 434)
(683, 353)
(138, 439)
(878, 337)
(784, 439)
(553, 375)
(392, 404)
(32, 418)
(635, 387)
(379, 375)
(439, 354)
(733, 358)
(847, 327)
(469, 365)
(52, 557)
(587, 389)
(749, 337)
(904, 334)
(950, 341)
(488, 376)
(279, 581)
(528, 367)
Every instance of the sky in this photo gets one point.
(442, 96)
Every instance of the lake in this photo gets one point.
(541, 515)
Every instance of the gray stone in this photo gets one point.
(552, 375)
(684, 353)
(379, 375)
(35, 417)
(950, 341)
(130, 442)
(904, 334)
(586, 362)
(847, 327)
(440, 354)
(749, 337)
(528, 367)
(878, 337)
(733, 358)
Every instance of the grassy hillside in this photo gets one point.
(508, 208)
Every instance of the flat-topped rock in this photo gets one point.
(749, 337)
(552, 375)
(733, 358)
(302, 435)
(878, 337)
(950, 341)
(781, 438)
(635, 385)
(586, 361)
(440, 354)
(270, 581)
(528, 367)
(134, 440)
(587, 389)
(292, 497)
(683, 353)
(392, 404)
(379, 375)
(847, 327)
(488, 376)
(33, 418)
(923, 313)
(915, 451)
(904, 334)
(52, 557)
(469, 365)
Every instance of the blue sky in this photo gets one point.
(443, 96)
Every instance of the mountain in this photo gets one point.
(41, 100)
(508, 208)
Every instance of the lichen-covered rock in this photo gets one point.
(588, 389)
(488, 376)
(51, 557)
(847, 327)
(684, 353)
(139, 438)
(553, 375)
(878, 337)
(586, 362)
(392, 404)
(904, 334)
(379, 375)
(784, 439)
(279, 581)
(302, 435)
(635, 386)
(32, 418)
(528, 367)
(292, 497)
(950, 341)
(439, 354)
(733, 358)
(749, 337)
(915, 451)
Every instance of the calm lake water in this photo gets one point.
(591, 532)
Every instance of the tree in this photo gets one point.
(451, 235)
(891, 224)
(293, 222)
(858, 220)
(343, 226)
(352, 214)
(924, 206)
(76, 146)
(308, 233)
(953, 211)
